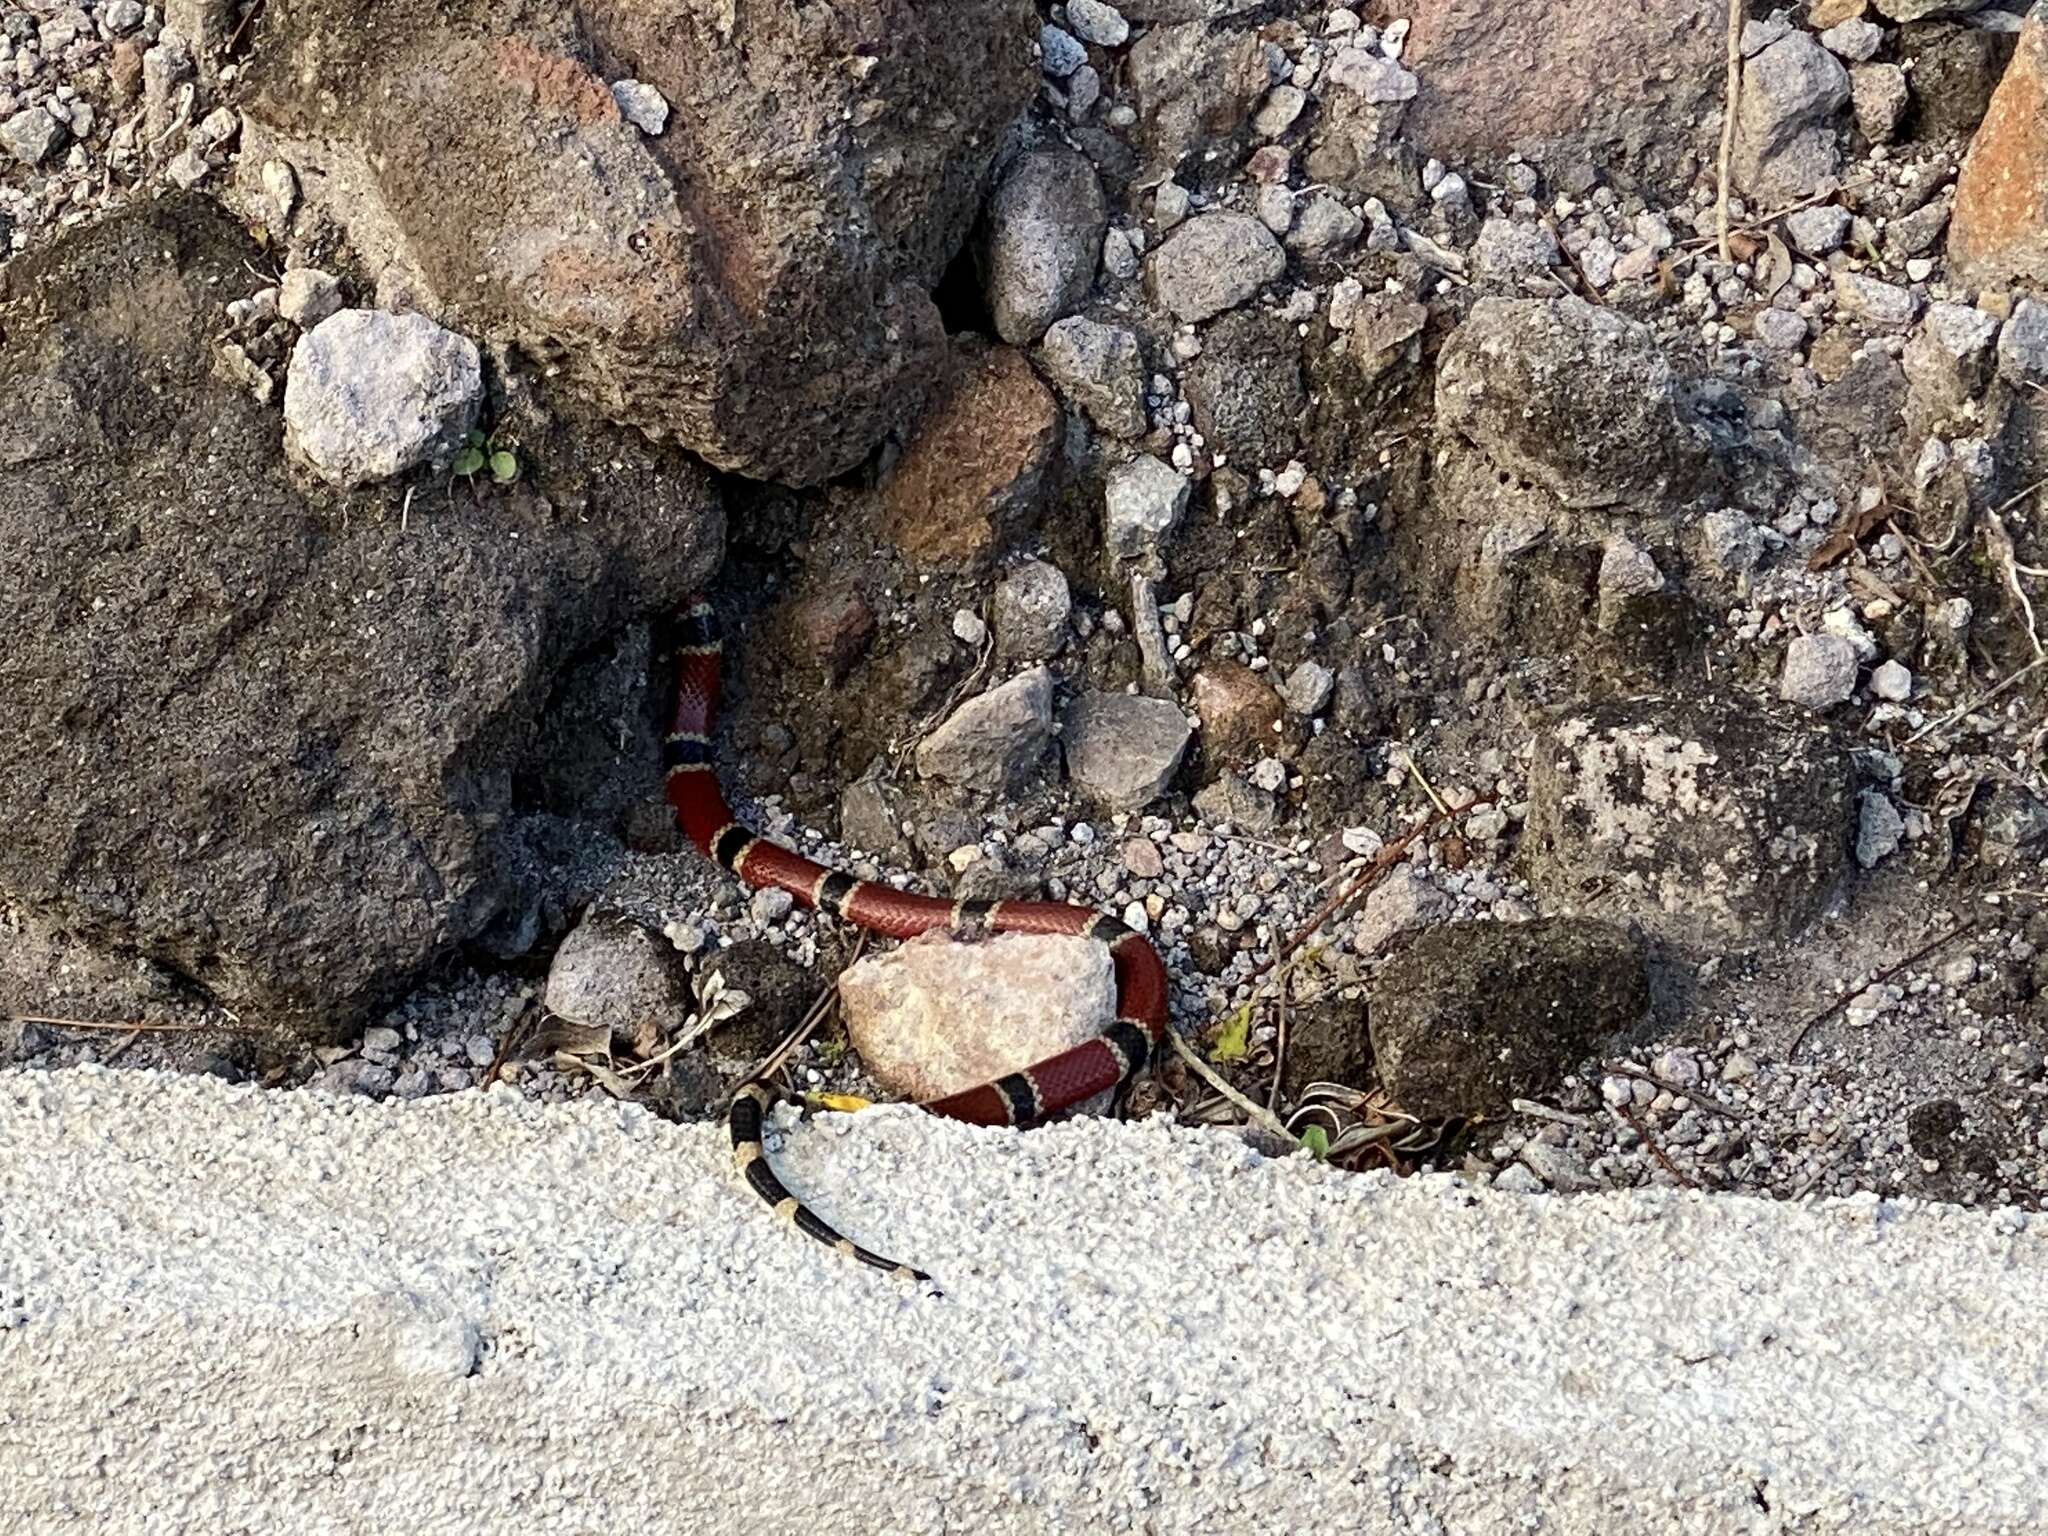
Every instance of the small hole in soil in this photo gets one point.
(961, 305)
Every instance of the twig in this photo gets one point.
(1650, 1143)
(2006, 559)
(125, 1041)
(1690, 1095)
(1279, 1049)
(1382, 861)
(1151, 633)
(1975, 704)
(1264, 1116)
(1877, 981)
(125, 1026)
(1731, 97)
(1428, 788)
(1545, 1112)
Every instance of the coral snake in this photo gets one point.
(1018, 1099)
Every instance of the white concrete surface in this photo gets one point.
(225, 1311)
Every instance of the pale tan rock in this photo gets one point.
(937, 1014)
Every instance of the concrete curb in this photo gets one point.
(226, 1311)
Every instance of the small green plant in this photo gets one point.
(480, 453)
(1317, 1141)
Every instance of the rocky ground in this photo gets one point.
(1158, 453)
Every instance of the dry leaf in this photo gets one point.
(1742, 245)
(845, 1103)
(1775, 271)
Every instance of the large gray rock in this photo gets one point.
(1194, 88)
(257, 732)
(618, 975)
(753, 283)
(994, 741)
(1100, 369)
(1212, 263)
(1723, 826)
(1784, 126)
(371, 395)
(1474, 1015)
(1042, 242)
(1578, 399)
(1123, 749)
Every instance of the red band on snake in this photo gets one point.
(1020, 1098)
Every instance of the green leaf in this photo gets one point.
(475, 440)
(1233, 1037)
(504, 466)
(1317, 1140)
(469, 461)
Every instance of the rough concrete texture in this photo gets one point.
(226, 1310)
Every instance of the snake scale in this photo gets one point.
(1017, 1099)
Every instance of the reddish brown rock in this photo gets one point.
(1999, 230)
(834, 628)
(753, 281)
(1548, 79)
(975, 465)
(1238, 709)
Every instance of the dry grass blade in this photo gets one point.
(1262, 1116)
(1730, 98)
(1878, 980)
(127, 1026)
(1975, 704)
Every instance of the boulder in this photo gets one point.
(1522, 378)
(1502, 76)
(1999, 231)
(1722, 826)
(1472, 1016)
(261, 733)
(936, 1016)
(753, 282)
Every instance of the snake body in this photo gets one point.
(1017, 1099)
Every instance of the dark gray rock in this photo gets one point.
(1032, 605)
(1194, 89)
(1722, 826)
(1123, 749)
(260, 733)
(1472, 1015)
(993, 742)
(618, 975)
(1042, 241)
(1246, 391)
(1099, 368)
(1785, 143)
(1213, 262)
(1523, 378)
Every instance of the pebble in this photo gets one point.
(370, 395)
(968, 627)
(1094, 22)
(1308, 688)
(770, 905)
(1060, 52)
(642, 105)
(1820, 671)
(1144, 500)
(1892, 682)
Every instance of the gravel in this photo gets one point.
(399, 1303)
